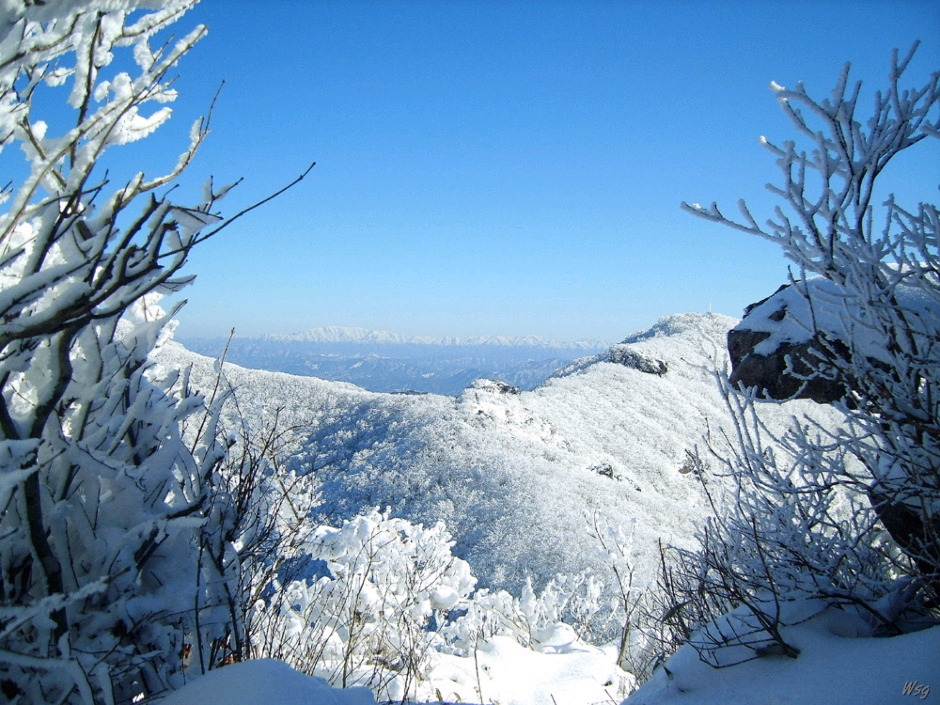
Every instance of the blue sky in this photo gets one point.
(506, 168)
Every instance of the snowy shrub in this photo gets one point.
(529, 619)
(846, 517)
(379, 601)
(271, 507)
(779, 552)
(623, 619)
(599, 606)
(372, 607)
(116, 562)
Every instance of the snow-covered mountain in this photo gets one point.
(357, 335)
(343, 334)
(389, 362)
(519, 478)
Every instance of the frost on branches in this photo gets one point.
(847, 517)
(383, 603)
(113, 559)
(367, 607)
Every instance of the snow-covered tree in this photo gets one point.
(370, 609)
(116, 561)
(857, 326)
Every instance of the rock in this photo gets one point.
(605, 470)
(775, 349)
(623, 355)
(493, 386)
(790, 372)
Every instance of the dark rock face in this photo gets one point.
(629, 358)
(914, 533)
(794, 370)
(605, 470)
(787, 373)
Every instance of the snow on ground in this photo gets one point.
(570, 673)
(833, 668)
(263, 682)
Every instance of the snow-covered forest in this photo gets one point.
(711, 511)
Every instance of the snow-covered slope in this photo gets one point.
(518, 478)
(836, 666)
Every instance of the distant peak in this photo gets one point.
(342, 334)
(699, 324)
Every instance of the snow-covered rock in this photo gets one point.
(781, 340)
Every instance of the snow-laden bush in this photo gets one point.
(382, 598)
(777, 553)
(370, 609)
(822, 517)
(600, 606)
(530, 619)
(269, 523)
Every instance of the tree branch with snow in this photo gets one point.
(116, 561)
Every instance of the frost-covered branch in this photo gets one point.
(828, 189)
(845, 516)
(119, 559)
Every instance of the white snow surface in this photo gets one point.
(264, 682)
(834, 667)
(795, 313)
(572, 673)
(503, 672)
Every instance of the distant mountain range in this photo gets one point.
(380, 361)
(342, 334)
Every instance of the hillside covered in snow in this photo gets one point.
(352, 517)
(517, 477)
(524, 480)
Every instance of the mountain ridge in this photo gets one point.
(517, 475)
(390, 362)
(359, 335)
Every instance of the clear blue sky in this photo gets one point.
(507, 168)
